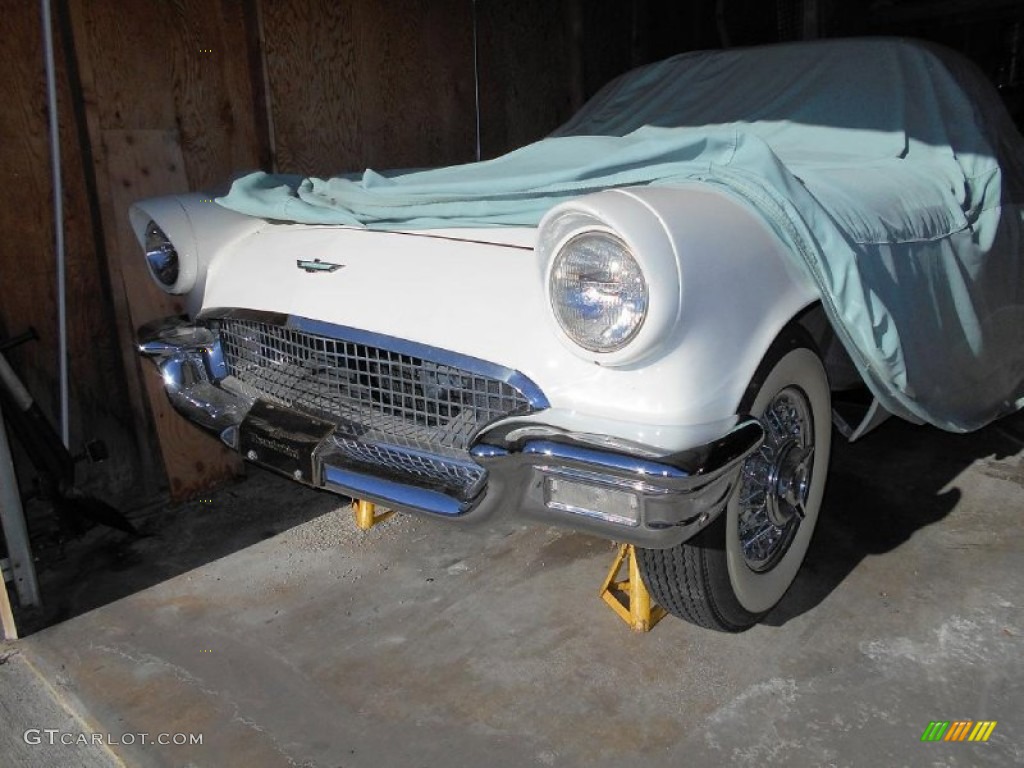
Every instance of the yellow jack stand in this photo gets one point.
(629, 598)
(366, 514)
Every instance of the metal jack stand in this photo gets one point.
(366, 514)
(629, 597)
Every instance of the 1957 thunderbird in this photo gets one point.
(632, 327)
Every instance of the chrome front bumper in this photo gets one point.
(518, 466)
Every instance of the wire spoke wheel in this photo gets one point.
(738, 568)
(775, 480)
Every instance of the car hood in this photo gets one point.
(474, 291)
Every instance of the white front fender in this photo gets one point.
(736, 287)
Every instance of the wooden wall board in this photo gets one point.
(133, 406)
(369, 83)
(28, 295)
(311, 75)
(189, 101)
(28, 286)
(528, 71)
(415, 90)
(143, 163)
(178, 65)
(252, 12)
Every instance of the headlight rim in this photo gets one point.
(558, 253)
(161, 258)
(653, 246)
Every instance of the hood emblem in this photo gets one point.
(317, 266)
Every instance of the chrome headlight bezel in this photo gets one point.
(166, 235)
(643, 232)
(161, 255)
(598, 291)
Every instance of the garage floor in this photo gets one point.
(261, 619)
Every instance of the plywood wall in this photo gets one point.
(369, 83)
(28, 286)
(169, 109)
(155, 98)
(531, 73)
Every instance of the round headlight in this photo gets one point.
(161, 255)
(598, 292)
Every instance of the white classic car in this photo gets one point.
(632, 327)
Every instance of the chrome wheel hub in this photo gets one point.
(776, 480)
(789, 479)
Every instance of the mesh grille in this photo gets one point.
(456, 479)
(376, 394)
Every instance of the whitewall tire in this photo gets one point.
(734, 572)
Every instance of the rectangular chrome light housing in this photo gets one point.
(605, 502)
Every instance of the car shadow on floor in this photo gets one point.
(881, 491)
(103, 565)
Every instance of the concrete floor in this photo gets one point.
(263, 620)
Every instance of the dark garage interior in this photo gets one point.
(253, 611)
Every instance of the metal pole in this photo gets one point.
(12, 516)
(58, 224)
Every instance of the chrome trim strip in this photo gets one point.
(700, 462)
(460, 240)
(533, 394)
(475, 365)
(169, 335)
(216, 365)
(235, 313)
(353, 484)
(483, 451)
(616, 462)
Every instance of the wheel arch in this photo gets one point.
(841, 370)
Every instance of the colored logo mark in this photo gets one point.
(958, 730)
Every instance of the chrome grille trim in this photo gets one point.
(461, 479)
(377, 389)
